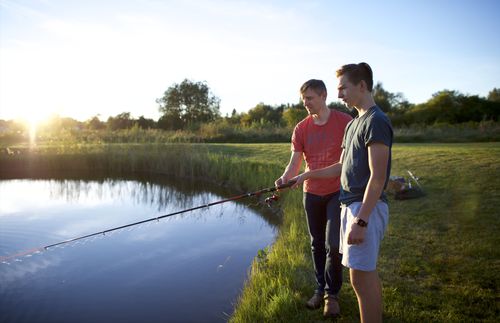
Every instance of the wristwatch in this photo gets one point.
(361, 222)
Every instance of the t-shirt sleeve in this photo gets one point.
(297, 139)
(378, 130)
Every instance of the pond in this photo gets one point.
(189, 267)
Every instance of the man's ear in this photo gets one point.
(362, 86)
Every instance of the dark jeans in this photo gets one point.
(323, 220)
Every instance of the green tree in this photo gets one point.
(386, 100)
(342, 108)
(452, 107)
(145, 123)
(121, 121)
(95, 123)
(263, 114)
(170, 121)
(444, 106)
(56, 123)
(188, 103)
(293, 114)
(494, 95)
(234, 119)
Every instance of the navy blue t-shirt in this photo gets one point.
(373, 126)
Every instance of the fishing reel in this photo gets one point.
(271, 200)
(275, 197)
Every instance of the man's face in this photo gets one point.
(313, 101)
(348, 92)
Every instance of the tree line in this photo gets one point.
(189, 104)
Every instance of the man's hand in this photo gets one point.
(278, 182)
(356, 234)
(299, 179)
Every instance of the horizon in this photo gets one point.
(105, 58)
(48, 118)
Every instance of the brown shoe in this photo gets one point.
(332, 308)
(315, 302)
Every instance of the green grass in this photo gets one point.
(484, 131)
(439, 261)
(272, 153)
(223, 132)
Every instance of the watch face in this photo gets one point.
(361, 222)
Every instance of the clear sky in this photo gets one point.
(102, 57)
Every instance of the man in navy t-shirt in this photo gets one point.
(364, 170)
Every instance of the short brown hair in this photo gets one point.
(317, 85)
(356, 73)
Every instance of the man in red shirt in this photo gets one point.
(317, 139)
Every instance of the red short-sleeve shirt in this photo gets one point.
(320, 146)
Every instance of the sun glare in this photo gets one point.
(33, 121)
(32, 131)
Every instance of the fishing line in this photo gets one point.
(5, 259)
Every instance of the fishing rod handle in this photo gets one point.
(286, 185)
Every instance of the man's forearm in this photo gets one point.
(291, 170)
(372, 194)
(378, 156)
(326, 172)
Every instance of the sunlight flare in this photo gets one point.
(32, 132)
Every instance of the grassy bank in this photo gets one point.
(438, 262)
(190, 161)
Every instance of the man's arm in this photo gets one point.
(378, 157)
(292, 169)
(325, 172)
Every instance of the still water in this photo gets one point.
(185, 268)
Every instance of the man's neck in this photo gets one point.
(322, 116)
(365, 105)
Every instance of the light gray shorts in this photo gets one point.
(363, 256)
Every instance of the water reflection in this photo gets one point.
(149, 272)
(91, 192)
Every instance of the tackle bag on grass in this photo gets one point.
(404, 189)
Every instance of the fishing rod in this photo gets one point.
(234, 198)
